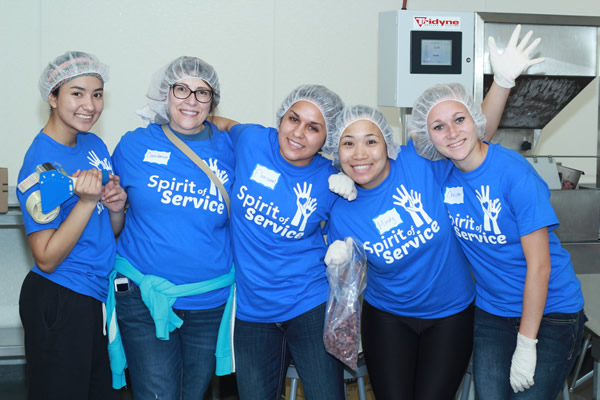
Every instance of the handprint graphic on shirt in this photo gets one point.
(412, 204)
(222, 175)
(490, 208)
(306, 205)
(97, 163)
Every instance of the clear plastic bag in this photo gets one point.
(347, 281)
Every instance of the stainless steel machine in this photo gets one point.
(571, 49)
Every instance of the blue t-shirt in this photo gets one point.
(416, 266)
(85, 270)
(176, 226)
(276, 215)
(491, 208)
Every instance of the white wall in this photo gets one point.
(261, 50)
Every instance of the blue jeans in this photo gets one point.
(495, 340)
(263, 350)
(166, 369)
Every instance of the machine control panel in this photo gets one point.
(433, 52)
(419, 49)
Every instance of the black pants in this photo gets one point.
(413, 358)
(65, 348)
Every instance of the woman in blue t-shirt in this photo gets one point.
(73, 245)
(174, 254)
(529, 306)
(280, 197)
(417, 317)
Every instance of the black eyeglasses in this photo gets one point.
(183, 92)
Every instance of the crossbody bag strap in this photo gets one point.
(198, 161)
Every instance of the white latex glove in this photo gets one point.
(523, 363)
(342, 185)
(339, 252)
(514, 59)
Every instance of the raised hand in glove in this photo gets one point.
(342, 185)
(514, 59)
(339, 252)
(523, 363)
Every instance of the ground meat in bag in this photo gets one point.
(346, 272)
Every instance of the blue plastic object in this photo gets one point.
(56, 188)
(105, 176)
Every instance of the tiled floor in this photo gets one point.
(12, 387)
(582, 393)
(585, 390)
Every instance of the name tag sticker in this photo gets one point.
(387, 221)
(454, 195)
(157, 157)
(265, 176)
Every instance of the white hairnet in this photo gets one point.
(327, 101)
(68, 66)
(181, 68)
(417, 124)
(348, 116)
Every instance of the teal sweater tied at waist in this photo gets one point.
(159, 295)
